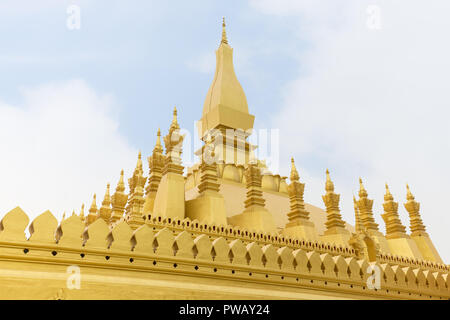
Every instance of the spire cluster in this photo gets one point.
(165, 192)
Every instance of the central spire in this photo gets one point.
(224, 32)
(225, 104)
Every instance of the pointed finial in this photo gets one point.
(158, 146)
(224, 32)
(139, 163)
(64, 215)
(120, 185)
(82, 211)
(174, 124)
(73, 213)
(388, 196)
(409, 195)
(94, 202)
(362, 191)
(294, 173)
(107, 197)
(329, 186)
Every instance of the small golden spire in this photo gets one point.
(362, 191)
(158, 146)
(174, 124)
(94, 203)
(105, 209)
(73, 213)
(416, 224)
(107, 198)
(158, 137)
(140, 159)
(409, 195)
(82, 212)
(120, 185)
(175, 113)
(139, 167)
(64, 215)
(224, 32)
(329, 186)
(294, 173)
(92, 216)
(388, 196)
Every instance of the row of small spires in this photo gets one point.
(329, 187)
(363, 210)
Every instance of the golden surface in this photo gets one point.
(227, 230)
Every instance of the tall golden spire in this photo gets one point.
(331, 200)
(416, 224)
(394, 227)
(170, 197)
(296, 190)
(105, 209)
(365, 209)
(224, 32)
(118, 200)
(173, 142)
(155, 164)
(134, 209)
(137, 170)
(225, 104)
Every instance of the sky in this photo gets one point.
(359, 87)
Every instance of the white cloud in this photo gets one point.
(59, 147)
(372, 103)
(204, 63)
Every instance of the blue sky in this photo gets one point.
(77, 105)
(148, 54)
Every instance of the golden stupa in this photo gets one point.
(228, 229)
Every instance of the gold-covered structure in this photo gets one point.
(228, 229)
